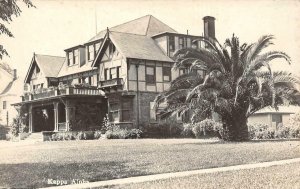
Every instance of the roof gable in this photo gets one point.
(133, 46)
(49, 65)
(146, 25)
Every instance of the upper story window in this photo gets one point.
(106, 74)
(91, 52)
(150, 75)
(113, 73)
(181, 43)
(70, 58)
(112, 49)
(4, 105)
(171, 43)
(38, 69)
(97, 46)
(76, 57)
(167, 73)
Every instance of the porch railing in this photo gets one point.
(50, 92)
(62, 126)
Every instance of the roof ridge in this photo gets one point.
(148, 25)
(127, 33)
(129, 21)
(50, 55)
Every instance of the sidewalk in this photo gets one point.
(147, 178)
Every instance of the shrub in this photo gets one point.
(134, 133)
(88, 135)
(207, 128)
(80, 136)
(188, 130)
(163, 130)
(123, 134)
(97, 134)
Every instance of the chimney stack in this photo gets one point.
(209, 26)
(15, 73)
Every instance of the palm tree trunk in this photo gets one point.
(235, 128)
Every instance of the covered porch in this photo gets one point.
(68, 113)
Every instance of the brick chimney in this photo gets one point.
(209, 26)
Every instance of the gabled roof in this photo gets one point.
(133, 46)
(49, 65)
(281, 109)
(14, 87)
(147, 25)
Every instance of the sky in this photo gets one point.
(54, 26)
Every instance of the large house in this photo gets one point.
(117, 73)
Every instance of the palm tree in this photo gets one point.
(238, 82)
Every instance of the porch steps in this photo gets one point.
(35, 137)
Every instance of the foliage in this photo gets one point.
(263, 131)
(188, 130)
(238, 82)
(115, 132)
(163, 130)
(97, 134)
(8, 9)
(207, 127)
(15, 127)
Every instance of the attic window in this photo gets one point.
(112, 49)
(38, 69)
(76, 57)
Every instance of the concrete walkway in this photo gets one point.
(147, 178)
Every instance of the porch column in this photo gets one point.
(30, 116)
(55, 104)
(70, 111)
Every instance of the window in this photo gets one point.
(42, 85)
(127, 110)
(150, 75)
(167, 73)
(112, 49)
(4, 105)
(106, 74)
(181, 43)
(182, 71)
(113, 73)
(114, 111)
(91, 52)
(97, 46)
(76, 57)
(38, 69)
(277, 118)
(90, 80)
(70, 58)
(172, 43)
(118, 71)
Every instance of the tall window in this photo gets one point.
(70, 58)
(118, 71)
(167, 73)
(114, 111)
(150, 75)
(181, 43)
(106, 74)
(76, 57)
(113, 73)
(4, 105)
(171, 43)
(126, 110)
(97, 46)
(91, 52)
(152, 112)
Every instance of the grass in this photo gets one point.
(31, 165)
(275, 177)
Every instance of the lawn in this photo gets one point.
(275, 177)
(33, 164)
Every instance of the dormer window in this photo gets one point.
(76, 57)
(70, 58)
(91, 52)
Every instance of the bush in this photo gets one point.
(188, 130)
(261, 131)
(118, 133)
(163, 130)
(97, 134)
(207, 128)
(79, 136)
(134, 133)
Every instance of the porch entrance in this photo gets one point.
(43, 118)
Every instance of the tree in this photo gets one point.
(8, 9)
(238, 82)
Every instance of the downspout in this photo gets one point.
(137, 96)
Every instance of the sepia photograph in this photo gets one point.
(150, 94)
